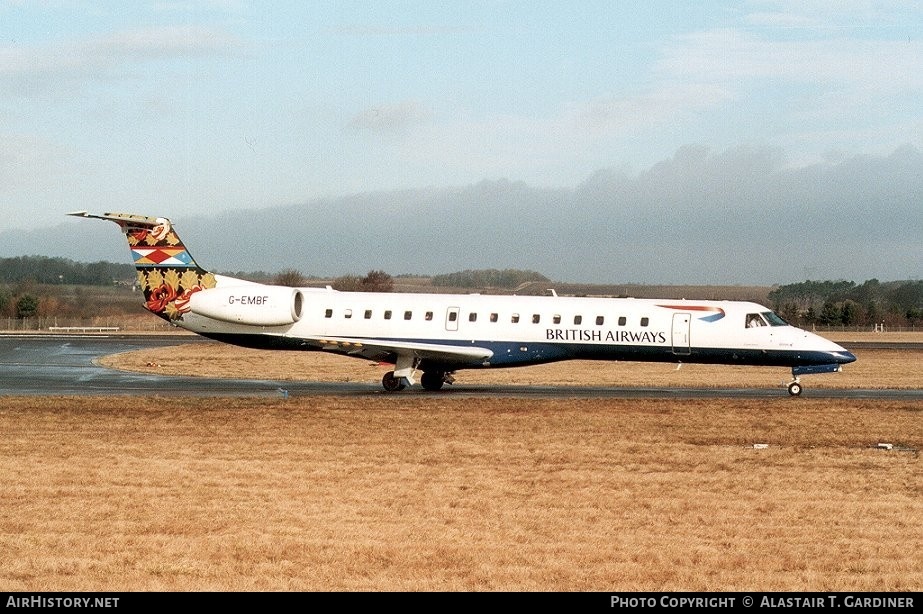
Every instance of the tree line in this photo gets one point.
(487, 278)
(846, 303)
(34, 285)
(42, 286)
(45, 270)
(48, 271)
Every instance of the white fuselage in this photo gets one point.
(521, 330)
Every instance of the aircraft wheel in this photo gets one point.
(391, 383)
(794, 389)
(432, 380)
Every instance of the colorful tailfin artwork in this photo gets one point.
(167, 273)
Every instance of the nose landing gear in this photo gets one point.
(794, 387)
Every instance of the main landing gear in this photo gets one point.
(794, 388)
(434, 380)
(430, 380)
(392, 383)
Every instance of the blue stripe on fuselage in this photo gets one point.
(522, 353)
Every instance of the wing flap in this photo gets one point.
(377, 349)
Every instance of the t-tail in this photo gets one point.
(167, 273)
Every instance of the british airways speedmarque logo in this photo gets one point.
(717, 312)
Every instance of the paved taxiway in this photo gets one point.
(65, 365)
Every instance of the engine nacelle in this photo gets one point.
(256, 305)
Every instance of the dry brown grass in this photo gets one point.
(873, 369)
(393, 492)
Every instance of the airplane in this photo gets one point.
(438, 335)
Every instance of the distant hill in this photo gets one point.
(701, 217)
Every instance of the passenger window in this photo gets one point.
(368, 314)
(348, 314)
(644, 321)
(622, 320)
(494, 317)
(408, 315)
(515, 318)
(328, 313)
(472, 317)
(578, 319)
(429, 315)
(387, 314)
(600, 320)
(556, 319)
(536, 318)
(453, 315)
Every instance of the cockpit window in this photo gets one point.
(755, 320)
(774, 319)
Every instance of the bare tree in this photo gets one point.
(347, 283)
(289, 277)
(377, 281)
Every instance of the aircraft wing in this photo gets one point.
(388, 350)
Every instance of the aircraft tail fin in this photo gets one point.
(167, 273)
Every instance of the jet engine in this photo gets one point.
(255, 305)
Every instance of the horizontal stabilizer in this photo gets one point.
(123, 219)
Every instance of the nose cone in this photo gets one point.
(834, 352)
(844, 357)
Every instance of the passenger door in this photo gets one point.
(681, 341)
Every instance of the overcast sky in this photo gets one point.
(190, 109)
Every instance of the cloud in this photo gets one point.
(391, 119)
(392, 31)
(780, 20)
(738, 216)
(647, 109)
(37, 70)
(830, 14)
(161, 42)
(735, 57)
(800, 82)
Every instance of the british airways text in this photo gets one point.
(609, 336)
